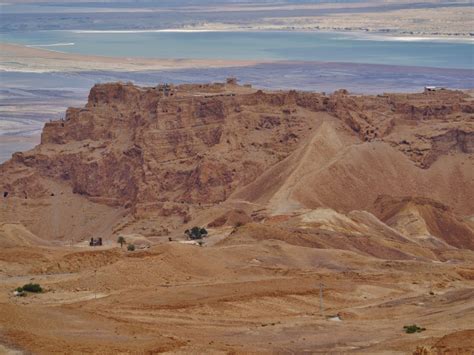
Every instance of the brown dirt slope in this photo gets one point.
(15, 234)
(422, 217)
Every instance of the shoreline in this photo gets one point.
(22, 58)
(371, 35)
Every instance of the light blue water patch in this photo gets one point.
(265, 45)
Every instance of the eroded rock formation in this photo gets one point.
(168, 151)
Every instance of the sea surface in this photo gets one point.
(254, 45)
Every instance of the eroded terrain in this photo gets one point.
(368, 197)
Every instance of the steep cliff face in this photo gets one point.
(139, 147)
(167, 151)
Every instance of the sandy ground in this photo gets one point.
(20, 58)
(241, 298)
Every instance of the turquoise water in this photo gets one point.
(276, 45)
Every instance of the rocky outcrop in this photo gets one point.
(450, 141)
(132, 146)
(193, 145)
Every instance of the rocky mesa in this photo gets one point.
(168, 153)
(335, 221)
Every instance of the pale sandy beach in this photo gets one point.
(20, 58)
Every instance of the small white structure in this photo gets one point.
(433, 88)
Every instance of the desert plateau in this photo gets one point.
(332, 221)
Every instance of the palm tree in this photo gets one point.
(121, 240)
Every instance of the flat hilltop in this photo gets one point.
(326, 223)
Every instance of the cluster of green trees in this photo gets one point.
(196, 233)
(33, 288)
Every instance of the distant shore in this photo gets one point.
(19, 58)
(440, 23)
(356, 31)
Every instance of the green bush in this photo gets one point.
(196, 233)
(131, 247)
(34, 288)
(410, 329)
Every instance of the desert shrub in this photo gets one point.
(410, 329)
(131, 247)
(35, 288)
